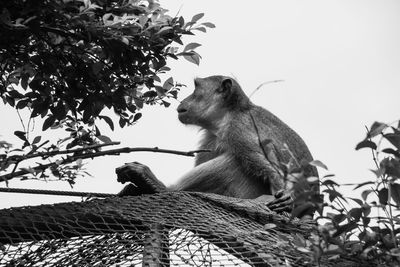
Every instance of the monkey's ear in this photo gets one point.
(226, 86)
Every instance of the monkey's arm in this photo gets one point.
(256, 159)
(143, 181)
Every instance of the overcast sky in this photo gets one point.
(340, 62)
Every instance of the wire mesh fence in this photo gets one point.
(165, 229)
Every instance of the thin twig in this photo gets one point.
(392, 232)
(22, 122)
(264, 83)
(374, 157)
(35, 149)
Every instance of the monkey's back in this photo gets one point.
(283, 138)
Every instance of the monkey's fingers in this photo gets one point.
(130, 190)
(282, 209)
(279, 194)
(140, 175)
(282, 199)
(129, 172)
(284, 203)
(124, 175)
(273, 205)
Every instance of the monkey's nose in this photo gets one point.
(181, 110)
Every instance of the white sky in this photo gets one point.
(340, 62)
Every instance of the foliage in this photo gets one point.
(68, 60)
(367, 227)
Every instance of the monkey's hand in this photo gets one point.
(145, 182)
(280, 202)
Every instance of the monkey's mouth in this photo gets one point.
(182, 115)
(183, 118)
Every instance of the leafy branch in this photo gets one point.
(69, 61)
(363, 231)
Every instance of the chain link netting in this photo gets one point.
(165, 229)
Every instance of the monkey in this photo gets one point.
(247, 144)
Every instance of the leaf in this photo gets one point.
(138, 102)
(108, 121)
(208, 24)
(376, 128)
(366, 143)
(10, 100)
(15, 94)
(20, 135)
(36, 140)
(191, 46)
(168, 84)
(394, 139)
(150, 94)
(164, 30)
(166, 104)
(347, 228)
(197, 17)
(358, 201)
(122, 122)
(174, 94)
(329, 182)
(383, 196)
(395, 192)
(391, 167)
(356, 213)
(48, 123)
(24, 80)
(104, 139)
(195, 58)
(365, 194)
(131, 108)
(160, 91)
(366, 209)
(378, 172)
(202, 29)
(22, 104)
(317, 163)
(338, 218)
(391, 151)
(156, 78)
(366, 220)
(137, 116)
(363, 184)
(333, 194)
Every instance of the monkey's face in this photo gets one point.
(205, 106)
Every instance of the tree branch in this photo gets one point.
(70, 159)
(19, 158)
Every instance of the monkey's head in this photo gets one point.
(212, 99)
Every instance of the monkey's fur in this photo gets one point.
(247, 143)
